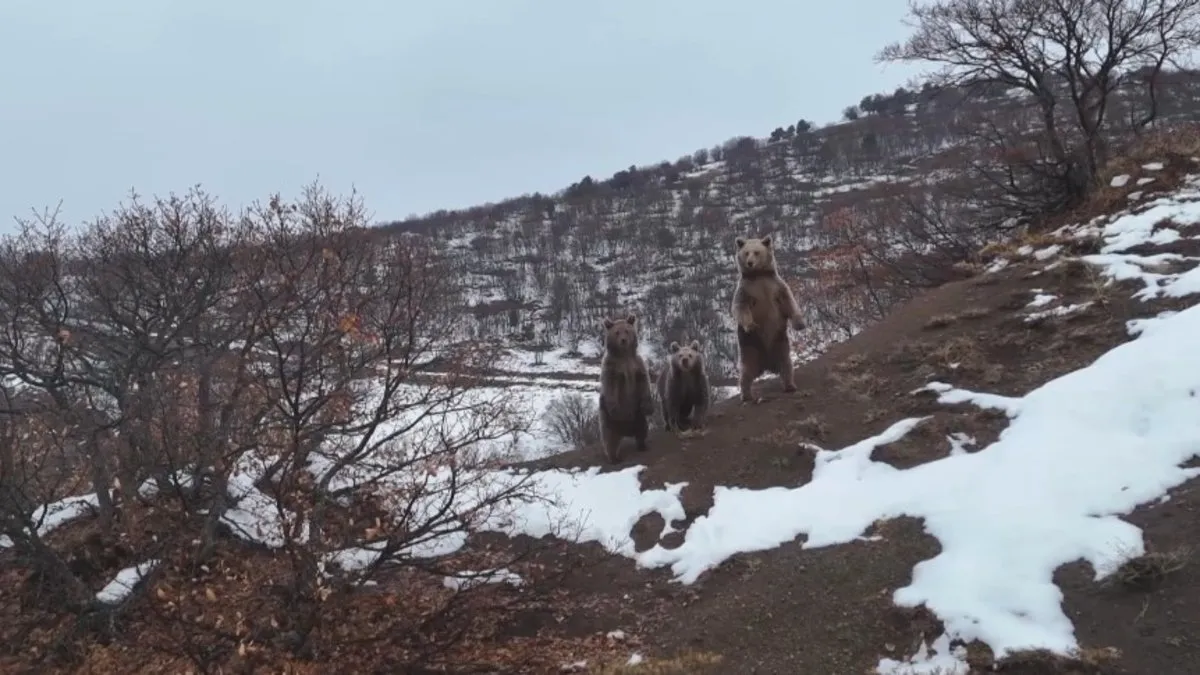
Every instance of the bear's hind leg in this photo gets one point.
(787, 374)
(750, 372)
(610, 439)
(641, 432)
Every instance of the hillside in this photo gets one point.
(1003, 465)
(969, 453)
(544, 269)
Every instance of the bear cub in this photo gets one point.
(626, 401)
(763, 305)
(683, 389)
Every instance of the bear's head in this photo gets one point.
(620, 335)
(686, 358)
(755, 256)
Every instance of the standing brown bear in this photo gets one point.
(683, 389)
(763, 305)
(626, 402)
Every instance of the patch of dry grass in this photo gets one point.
(1088, 660)
(683, 664)
(863, 386)
(1099, 288)
(783, 435)
(968, 268)
(813, 427)
(1070, 269)
(940, 321)
(852, 362)
(974, 313)
(1181, 142)
(957, 353)
(1148, 571)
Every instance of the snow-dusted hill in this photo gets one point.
(544, 270)
(1078, 453)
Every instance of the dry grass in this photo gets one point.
(1100, 290)
(968, 268)
(1148, 571)
(684, 664)
(863, 386)
(1173, 147)
(852, 362)
(958, 352)
(1182, 141)
(998, 249)
(1069, 269)
(940, 321)
(813, 427)
(1089, 660)
(777, 436)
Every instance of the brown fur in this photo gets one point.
(763, 305)
(626, 402)
(683, 388)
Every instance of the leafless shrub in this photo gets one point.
(574, 420)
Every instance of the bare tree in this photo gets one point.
(283, 377)
(1069, 56)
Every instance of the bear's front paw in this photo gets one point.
(798, 323)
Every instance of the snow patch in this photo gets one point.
(935, 659)
(1063, 310)
(123, 584)
(1041, 299)
(53, 515)
(468, 580)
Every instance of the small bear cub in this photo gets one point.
(763, 305)
(683, 389)
(626, 398)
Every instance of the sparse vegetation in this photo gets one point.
(1146, 572)
(941, 321)
(685, 664)
(1086, 661)
(574, 420)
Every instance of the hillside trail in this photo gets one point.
(829, 610)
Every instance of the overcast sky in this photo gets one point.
(420, 105)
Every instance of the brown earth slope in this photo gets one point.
(829, 610)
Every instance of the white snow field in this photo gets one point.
(1079, 452)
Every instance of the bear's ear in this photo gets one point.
(740, 241)
(630, 319)
(608, 323)
(766, 241)
(695, 345)
(674, 347)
